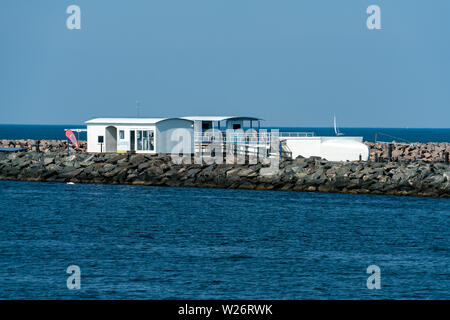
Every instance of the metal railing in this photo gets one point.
(246, 137)
(235, 138)
(296, 134)
(247, 143)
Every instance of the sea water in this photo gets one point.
(139, 242)
(190, 243)
(56, 132)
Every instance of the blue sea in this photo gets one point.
(139, 242)
(56, 132)
(135, 242)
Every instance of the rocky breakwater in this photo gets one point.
(400, 151)
(431, 151)
(44, 145)
(394, 178)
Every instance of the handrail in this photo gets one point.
(296, 134)
(246, 137)
(77, 130)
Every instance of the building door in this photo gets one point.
(132, 140)
(111, 139)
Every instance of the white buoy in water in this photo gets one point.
(70, 183)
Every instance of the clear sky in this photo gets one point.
(291, 62)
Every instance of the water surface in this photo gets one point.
(190, 243)
(56, 132)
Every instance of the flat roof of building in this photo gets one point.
(156, 120)
(219, 118)
(126, 120)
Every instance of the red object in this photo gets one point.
(71, 136)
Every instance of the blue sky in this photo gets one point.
(291, 62)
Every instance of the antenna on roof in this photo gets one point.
(138, 104)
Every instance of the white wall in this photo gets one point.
(330, 148)
(165, 134)
(93, 131)
(123, 145)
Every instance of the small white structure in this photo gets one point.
(163, 135)
(154, 135)
(140, 135)
(340, 148)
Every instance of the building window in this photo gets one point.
(205, 126)
(122, 134)
(145, 140)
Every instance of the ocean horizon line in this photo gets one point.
(268, 126)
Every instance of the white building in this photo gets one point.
(153, 135)
(142, 135)
(164, 135)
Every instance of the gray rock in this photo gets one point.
(233, 172)
(144, 165)
(447, 175)
(72, 174)
(48, 160)
(246, 173)
(268, 172)
(106, 168)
